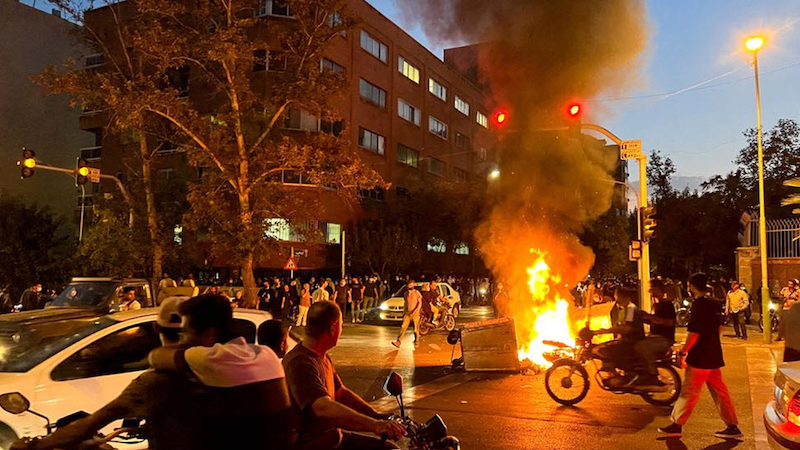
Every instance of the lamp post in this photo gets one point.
(753, 45)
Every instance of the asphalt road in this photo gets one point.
(513, 411)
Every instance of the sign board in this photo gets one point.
(290, 264)
(300, 252)
(630, 149)
(94, 175)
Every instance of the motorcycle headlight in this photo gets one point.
(686, 303)
(384, 306)
(773, 306)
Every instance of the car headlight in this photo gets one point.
(773, 306)
(686, 303)
(384, 306)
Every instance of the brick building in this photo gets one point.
(409, 115)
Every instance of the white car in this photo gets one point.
(65, 360)
(391, 310)
(782, 414)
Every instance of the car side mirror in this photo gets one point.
(394, 384)
(14, 402)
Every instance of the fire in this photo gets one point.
(551, 312)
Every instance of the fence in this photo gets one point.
(783, 237)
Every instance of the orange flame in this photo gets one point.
(551, 311)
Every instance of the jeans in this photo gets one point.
(649, 349)
(739, 324)
(690, 394)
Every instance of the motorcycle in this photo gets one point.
(774, 321)
(130, 433)
(683, 313)
(431, 435)
(447, 318)
(567, 381)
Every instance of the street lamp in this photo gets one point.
(753, 45)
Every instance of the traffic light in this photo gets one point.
(648, 222)
(81, 172)
(500, 118)
(27, 163)
(574, 113)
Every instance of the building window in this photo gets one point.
(372, 194)
(335, 20)
(272, 8)
(462, 106)
(373, 142)
(277, 229)
(437, 127)
(461, 140)
(482, 153)
(408, 112)
(407, 69)
(296, 119)
(374, 47)
(461, 249)
(482, 119)
(459, 174)
(407, 155)
(165, 174)
(334, 128)
(436, 245)
(95, 60)
(295, 177)
(269, 60)
(372, 93)
(437, 89)
(333, 233)
(436, 167)
(327, 64)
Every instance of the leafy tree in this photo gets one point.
(383, 248)
(659, 175)
(608, 236)
(34, 247)
(110, 248)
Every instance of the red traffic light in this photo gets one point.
(574, 110)
(500, 118)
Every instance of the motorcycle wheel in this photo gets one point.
(449, 322)
(669, 376)
(774, 322)
(566, 382)
(424, 328)
(682, 319)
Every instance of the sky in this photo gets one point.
(699, 92)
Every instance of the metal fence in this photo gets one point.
(783, 237)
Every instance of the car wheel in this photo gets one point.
(7, 436)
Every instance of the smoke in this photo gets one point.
(536, 56)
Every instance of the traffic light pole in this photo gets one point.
(116, 180)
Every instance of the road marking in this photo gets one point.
(414, 393)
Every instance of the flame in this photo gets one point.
(551, 311)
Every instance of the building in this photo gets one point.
(30, 40)
(410, 116)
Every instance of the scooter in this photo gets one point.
(431, 435)
(447, 318)
(130, 433)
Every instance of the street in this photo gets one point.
(513, 411)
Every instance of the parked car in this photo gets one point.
(391, 310)
(782, 414)
(69, 359)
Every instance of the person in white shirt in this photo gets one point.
(321, 294)
(736, 302)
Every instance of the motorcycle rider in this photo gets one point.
(167, 401)
(662, 333)
(329, 414)
(628, 327)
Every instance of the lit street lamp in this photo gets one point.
(753, 45)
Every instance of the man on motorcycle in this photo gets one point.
(165, 400)
(628, 327)
(330, 415)
(662, 333)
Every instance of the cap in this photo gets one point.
(168, 315)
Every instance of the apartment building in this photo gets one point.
(410, 116)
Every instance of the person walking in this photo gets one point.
(341, 296)
(413, 305)
(703, 360)
(790, 294)
(321, 294)
(370, 295)
(357, 296)
(305, 303)
(736, 302)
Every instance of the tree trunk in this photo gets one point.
(249, 281)
(152, 214)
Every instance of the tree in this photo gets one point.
(608, 236)
(384, 248)
(232, 127)
(659, 175)
(110, 248)
(34, 247)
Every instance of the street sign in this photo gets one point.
(290, 264)
(630, 149)
(300, 252)
(94, 175)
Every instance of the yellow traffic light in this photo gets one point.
(648, 222)
(30, 163)
(83, 171)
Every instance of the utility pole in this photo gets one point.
(343, 253)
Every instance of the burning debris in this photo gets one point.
(535, 57)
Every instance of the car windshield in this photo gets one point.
(402, 291)
(86, 293)
(22, 348)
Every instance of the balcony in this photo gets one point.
(91, 153)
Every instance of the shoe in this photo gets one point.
(732, 432)
(396, 344)
(416, 344)
(671, 430)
